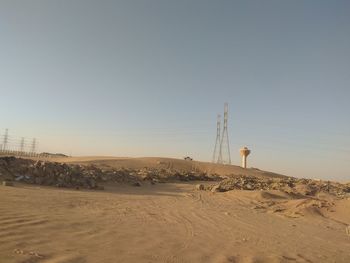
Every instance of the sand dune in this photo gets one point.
(168, 223)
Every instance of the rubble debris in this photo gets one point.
(162, 175)
(89, 176)
(306, 187)
(48, 173)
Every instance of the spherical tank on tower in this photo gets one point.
(244, 153)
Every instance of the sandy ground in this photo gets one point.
(167, 223)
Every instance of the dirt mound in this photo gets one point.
(292, 205)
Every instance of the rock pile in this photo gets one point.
(49, 173)
(164, 175)
(122, 175)
(289, 184)
(88, 176)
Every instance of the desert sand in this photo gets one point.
(169, 222)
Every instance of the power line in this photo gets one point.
(17, 146)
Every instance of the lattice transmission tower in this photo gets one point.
(224, 153)
(6, 140)
(217, 141)
(22, 145)
(33, 146)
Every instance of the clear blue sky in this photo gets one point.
(147, 78)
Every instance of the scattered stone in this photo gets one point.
(18, 251)
(159, 175)
(30, 253)
(248, 187)
(200, 187)
(89, 176)
(155, 181)
(289, 185)
(216, 188)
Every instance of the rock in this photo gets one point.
(138, 184)
(154, 181)
(248, 187)
(216, 188)
(18, 251)
(91, 183)
(199, 187)
(347, 230)
(38, 180)
(7, 183)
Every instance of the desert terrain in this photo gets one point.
(173, 220)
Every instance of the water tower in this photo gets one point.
(244, 153)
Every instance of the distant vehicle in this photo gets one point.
(187, 158)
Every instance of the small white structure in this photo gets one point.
(244, 153)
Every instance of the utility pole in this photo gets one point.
(217, 141)
(224, 154)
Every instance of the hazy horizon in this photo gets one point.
(148, 78)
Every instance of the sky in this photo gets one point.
(148, 78)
